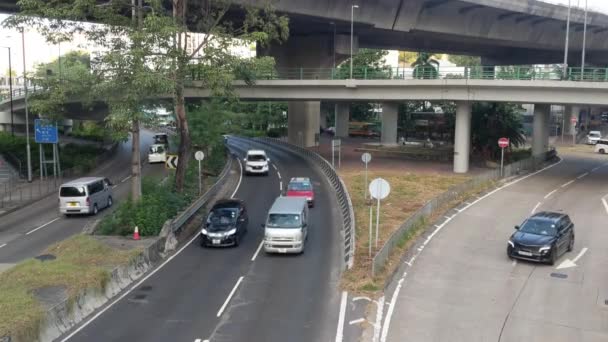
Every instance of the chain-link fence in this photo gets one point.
(439, 203)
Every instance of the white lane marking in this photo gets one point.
(126, 179)
(596, 168)
(114, 186)
(572, 263)
(44, 225)
(238, 185)
(356, 321)
(391, 308)
(387, 321)
(2, 245)
(583, 175)
(566, 184)
(605, 205)
(361, 298)
(126, 293)
(238, 282)
(448, 217)
(379, 314)
(340, 330)
(257, 250)
(275, 167)
(536, 207)
(197, 340)
(281, 186)
(514, 263)
(549, 194)
(279, 174)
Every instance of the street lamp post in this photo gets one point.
(27, 118)
(10, 89)
(565, 67)
(352, 20)
(584, 43)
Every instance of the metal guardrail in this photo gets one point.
(344, 201)
(181, 219)
(438, 203)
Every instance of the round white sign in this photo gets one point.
(379, 188)
(366, 157)
(199, 155)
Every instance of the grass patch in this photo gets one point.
(81, 262)
(409, 192)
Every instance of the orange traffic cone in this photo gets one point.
(136, 234)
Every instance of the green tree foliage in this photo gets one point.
(425, 66)
(491, 121)
(407, 58)
(465, 61)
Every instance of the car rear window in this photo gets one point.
(72, 191)
(299, 186)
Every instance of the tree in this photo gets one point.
(10, 72)
(425, 66)
(407, 58)
(491, 121)
(465, 61)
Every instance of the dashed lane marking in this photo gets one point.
(257, 251)
(549, 194)
(566, 184)
(238, 282)
(536, 207)
(583, 175)
(44, 225)
(340, 329)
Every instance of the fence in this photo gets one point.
(455, 192)
(344, 202)
(180, 220)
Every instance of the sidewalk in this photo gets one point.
(15, 196)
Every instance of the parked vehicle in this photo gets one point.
(593, 137)
(85, 196)
(543, 237)
(226, 224)
(601, 146)
(162, 139)
(301, 187)
(363, 129)
(256, 162)
(286, 227)
(157, 153)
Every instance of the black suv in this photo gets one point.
(226, 224)
(543, 237)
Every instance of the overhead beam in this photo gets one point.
(524, 18)
(468, 9)
(539, 21)
(434, 3)
(507, 15)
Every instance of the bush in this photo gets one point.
(90, 131)
(277, 132)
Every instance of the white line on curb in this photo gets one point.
(391, 308)
(340, 330)
(44, 225)
(583, 175)
(379, 314)
(2, 245)
(536, 207)
(238, 185)
(549, 194)
(356, 321)
(279, 174)
(566, 184)
(257, 251)
(238, 282)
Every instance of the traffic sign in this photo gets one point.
(45, 132)
(573, 119)
(366, 157)
(199, 155)
(171, 162)
(503, 142)
(379, 188)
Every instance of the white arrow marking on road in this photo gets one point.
(572, 263)
(605, 204)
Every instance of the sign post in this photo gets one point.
(366, 158)
(502, 143)
(199, 155)
(573, 121)
(336, 144)
(378, 189)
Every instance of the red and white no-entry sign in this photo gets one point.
(573, 119)
(503, 142)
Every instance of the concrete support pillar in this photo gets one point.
(342, 119)
(567, 117)
(575, 113)
(390, 114)
(303, 122)
(462, 137)
(540, 131)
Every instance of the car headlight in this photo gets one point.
(511, 243)
(231, 231)
(204, 231)
(309, 198)
(544, 249)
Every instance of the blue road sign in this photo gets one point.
(46, 132)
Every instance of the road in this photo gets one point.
(462, 286)
(28, 231)
(239, 294)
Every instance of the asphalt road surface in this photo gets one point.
(239, 294)
(28, 231)
(463, 287)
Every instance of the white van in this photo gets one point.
(157, 153)
(286, 227)
(85, 196)
(601, 146)
(256, 162)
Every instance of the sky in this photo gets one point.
(38, 51)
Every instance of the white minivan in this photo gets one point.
(286, 227)
(85, 196)
(601, 146)
(157, 153)
(256, 162)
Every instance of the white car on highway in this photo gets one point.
(256, 162)
(593, 137)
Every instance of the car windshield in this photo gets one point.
(222, 216)
(160, 139)
(299, 186)
(256, 158)
(594, 135)
(284, 221)
(157, 149)
(72, 191)
(539, 227)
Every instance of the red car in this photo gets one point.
(301, 187)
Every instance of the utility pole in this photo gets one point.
(352, 20)
(27, 116)
(584, 43)
(565, 67)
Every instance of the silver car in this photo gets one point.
(85, 196)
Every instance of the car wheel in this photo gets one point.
(95, 209)
(602, 151)
(110, 202)
(553, 259)
(571, 244)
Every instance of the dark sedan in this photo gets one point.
(543, 237)
(226, 224)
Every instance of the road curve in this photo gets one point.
(28, 231)
(238, 294)
(462, 286)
